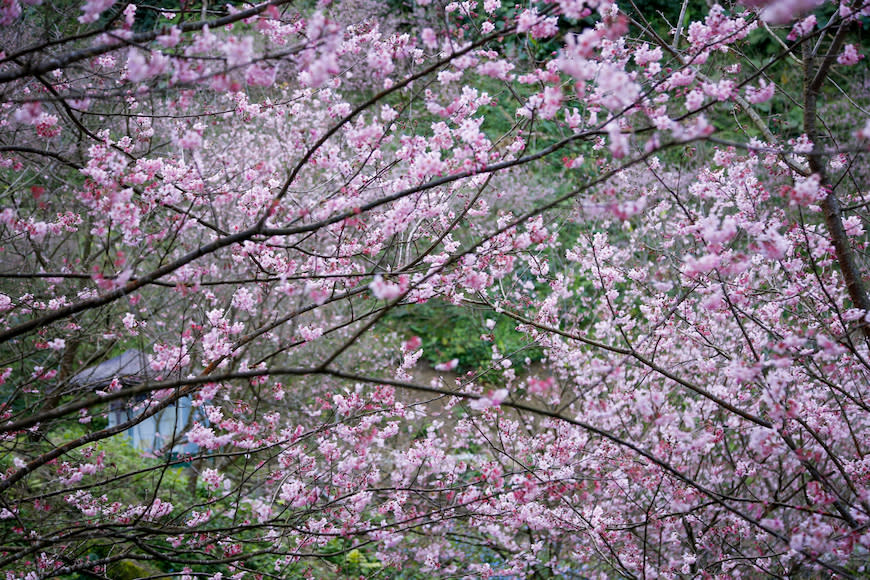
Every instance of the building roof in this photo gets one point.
(129, 367)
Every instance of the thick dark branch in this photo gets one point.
(814, 77)
(34, 151)
(49, 64)
(128, 288)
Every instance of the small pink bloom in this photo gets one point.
(694, 100)
(694, 266)
(447, 366)
(57, 344)
(429, 39)
(526, 20)
(803, 28)
(492, 399)
(385, 290)
(807, 191)
(29, 113)
(92, 10)
(238, 51)
(763, 93)
(413, 343)
(849, 56)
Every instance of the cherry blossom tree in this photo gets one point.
(664, 208)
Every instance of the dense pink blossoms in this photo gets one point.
(301, 222)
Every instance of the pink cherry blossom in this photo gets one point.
(762, 94)
(92, 10)
(447, 366)
(782, 11)
(386, 290)
(492, 399)
(228, 235)
(803, 28)
(849, 56)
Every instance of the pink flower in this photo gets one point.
(616, 90)
(682, 78)
(763, 93)
(540, 386)
(551, 100)
(495, 68)
(172, 39)
(476, 281)
(93, 8)
(197, 518)
(807, 191)
(849, 56)
(56, 344)
(694, 266)
(412, 343)
(618, 140)
(526, 20)
(243, 299)
(212, 478)
(137, 66)
(803, 28)
(853, 225)
(721, 91)
(429, 39)
(575, 9)
(131, 324)
(297, 494)
(782, 11)
(190, 140)
(47, 126)
(491, 399)
(773, 245)
(129, 16)
(205, 437)
(238, 52)
(530, 21)
(645, 55)
(158, 509)
(310, 333)
(258, 76)
(694, 100)
(428, 165)
(385, 290)
(168, 357)
(29, 113)
(490, 6)
(381, 61)
(10, 10)
(447, 366)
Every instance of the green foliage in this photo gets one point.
(149, 12)
(147, 474)
(130, 569)
(452, 332)
(664, 15)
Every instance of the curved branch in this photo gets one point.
(59, 62)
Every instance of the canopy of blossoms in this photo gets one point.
(651, 222)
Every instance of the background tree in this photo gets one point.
(560, 289)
